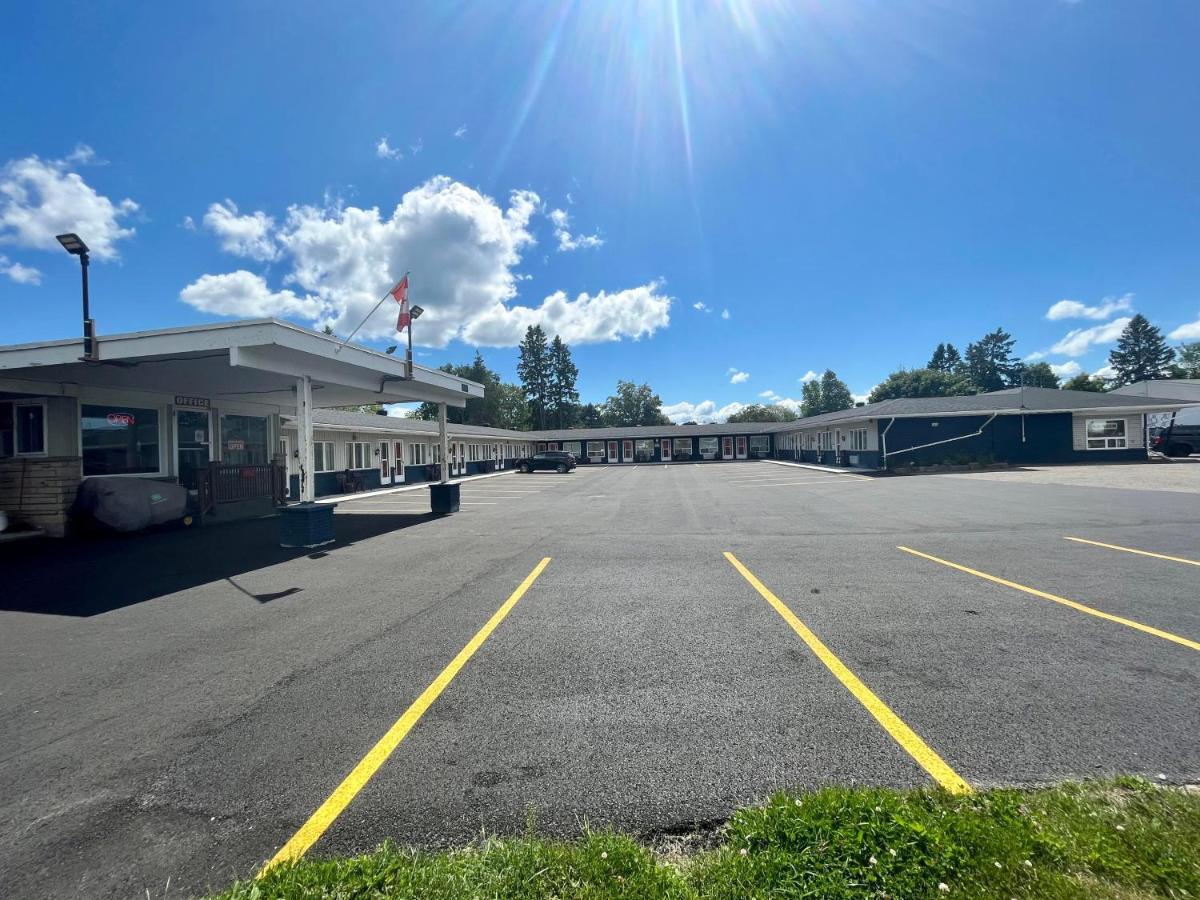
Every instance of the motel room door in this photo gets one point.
(741, 448)
(612, 451)
(398, 462)
(727, 448)
(664, 450)
(385, 463)
(627, 451)
(193, 430)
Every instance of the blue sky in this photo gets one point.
(850, 183)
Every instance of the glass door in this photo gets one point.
(193, 429)
(741, 448)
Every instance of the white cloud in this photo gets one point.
(1188, 331)
(1106, 372)
(1078, 340)
(400, 410)
(384, 150)
(1073, 309)
(808, 376)
(1068, 369)
(736, 377)
(460, 131)
(416, 148)
(40, 198)
(1035, 356)
(462, 248)
(864, 396)
(189, 223)
(724, 314)
(245, 294)
(703, 412)
(248, 235)
(19, 273)
(562, 230)
(768, 394)
(701, 305)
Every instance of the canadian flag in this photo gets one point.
(400, 292)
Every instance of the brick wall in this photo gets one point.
(38, 491)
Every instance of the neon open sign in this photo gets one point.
(125, 419)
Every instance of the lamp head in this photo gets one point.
(73, 244)
(415, 312)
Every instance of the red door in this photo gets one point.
(627, 451)
(612, 452)
(727, 448)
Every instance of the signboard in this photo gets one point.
(120, 418)
(235, 445)
(192, 402)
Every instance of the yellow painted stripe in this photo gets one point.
(1178, 559)
(892, 723)
(1129, 623)
(328, 811)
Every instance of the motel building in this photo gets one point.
(246, 415)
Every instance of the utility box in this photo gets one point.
(443, 498)
(306, 525)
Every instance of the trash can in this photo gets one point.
(306, 524)
(443, 498)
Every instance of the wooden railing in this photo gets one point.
(231, 484)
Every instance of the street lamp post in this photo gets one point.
(413, 314)
(74, 245)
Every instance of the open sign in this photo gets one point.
(115, 418)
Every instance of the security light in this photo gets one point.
(415, 312)
(73, 244)
(390, 350)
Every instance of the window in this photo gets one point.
(244, 440)
(858, 439)
(418, 454)
(760, 445)
(708, 447)
(643, 451)
(595, 451)
(682, 448)
(119, 440)
(573, 447)
(323, 456)
(825, 441)
(1105, 434)
(358, 455)
(30, 428)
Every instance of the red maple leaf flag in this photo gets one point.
(400, 292)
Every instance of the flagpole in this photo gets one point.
(408, 360)
(338, 348)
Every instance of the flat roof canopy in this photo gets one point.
(255, 361)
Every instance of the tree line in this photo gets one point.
(546, 396)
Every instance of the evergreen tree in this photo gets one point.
(1187, 360)
(945, 359)
(1085, 382)
(634, 404)
(561, 394)
(1141, 353)
(835, 395)
(534, 371)
(954, 361)
(990, 364)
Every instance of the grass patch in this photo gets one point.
(1103, 839)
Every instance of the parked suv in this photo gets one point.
(553, 460)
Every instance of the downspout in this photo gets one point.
(961, 437)
(883, 439)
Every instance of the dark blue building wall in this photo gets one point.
(1047, 438)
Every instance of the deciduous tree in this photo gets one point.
(634, 404)
(920, 383)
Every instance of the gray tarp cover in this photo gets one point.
(130, 504)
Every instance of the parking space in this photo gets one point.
(700, 636)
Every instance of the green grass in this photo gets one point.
(1102, 839)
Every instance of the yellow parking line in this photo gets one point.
(1178, 559)
(1129, 623)
(892, 723)
(328, 811)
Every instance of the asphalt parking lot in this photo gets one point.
(181, 705)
